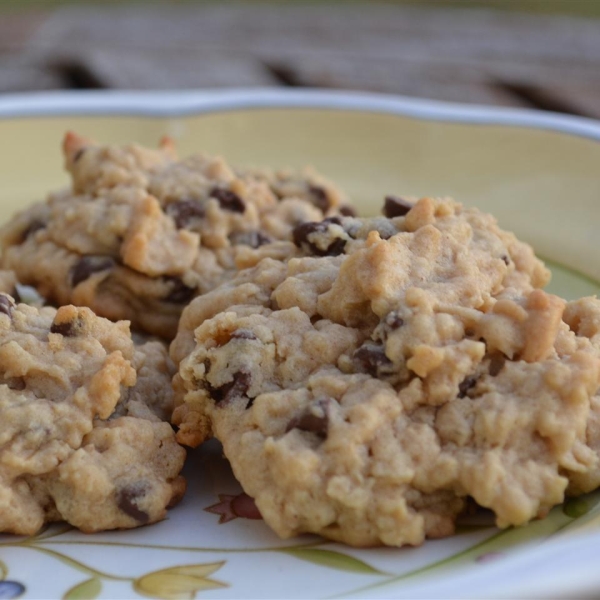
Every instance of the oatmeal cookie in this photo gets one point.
(396, 367)
(85, 434)
(489, 260)
(140, 233)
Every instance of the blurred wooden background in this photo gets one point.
(548, 61)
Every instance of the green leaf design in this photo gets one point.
(179, 583)
(3, 571)
(87, 590)
(576, 507)
(501, 541)
(332, 559)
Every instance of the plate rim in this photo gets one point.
(181, 103)
(540, 581)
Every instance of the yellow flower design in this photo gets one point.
(179, 583)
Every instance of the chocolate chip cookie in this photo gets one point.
(140, 233)
(85, 436)
(366, 388)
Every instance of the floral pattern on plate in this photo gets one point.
(237, 555)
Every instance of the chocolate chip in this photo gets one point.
(67, 329)
(78, 154)
(506, 260)
(319, 197)
(233, 390)
(127, 502)
(348, 211)
(496, 364)
(228, 200)
(336, 248)
(315, 419)
(395, 207)
(6, 305)
(184, 212)
(393, 320)
(34, 226)
(254, 239)
(301, 232)
(465, 385)
(243, 334)
(87, 265)
(390, 323)
(369, 358)
(180, 293)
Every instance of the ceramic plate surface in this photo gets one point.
(538, 173)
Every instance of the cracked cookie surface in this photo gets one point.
(85, 434)
(140, 233)
(395, 367)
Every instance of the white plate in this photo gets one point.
(523, 164)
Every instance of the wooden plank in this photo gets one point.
(471, 81)
(20, 75)
(463, 55)
(583, 101)
(160, 69)
(379, 31)
(398, 77)
(17, 28)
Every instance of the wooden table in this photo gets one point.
(481, 56)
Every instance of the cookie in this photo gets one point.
(85, 434)
(396, 367)
(140, 233)
(427, 227)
